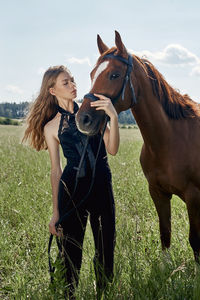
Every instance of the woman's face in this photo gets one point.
(65, 87)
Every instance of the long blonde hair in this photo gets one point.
(43, 109)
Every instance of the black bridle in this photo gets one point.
(127, 78)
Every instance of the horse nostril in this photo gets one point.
(87, 119)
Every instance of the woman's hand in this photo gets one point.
(52, 228)
(111, 135)
(104, 104)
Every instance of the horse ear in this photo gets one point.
(102, 47)
(121, 49)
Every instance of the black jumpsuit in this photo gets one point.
(99, 205)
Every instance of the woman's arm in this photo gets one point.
(111, 135)
(56, 172)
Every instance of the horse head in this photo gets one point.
(112, 76)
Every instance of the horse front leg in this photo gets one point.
(192, 199)
(163, 207)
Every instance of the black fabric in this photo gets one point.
(72, 143)
(99, 206)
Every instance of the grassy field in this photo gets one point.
(142, 271)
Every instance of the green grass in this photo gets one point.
(142, 271)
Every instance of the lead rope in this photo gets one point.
(52, 269)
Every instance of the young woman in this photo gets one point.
(51, 122)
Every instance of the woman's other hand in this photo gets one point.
(52, 227)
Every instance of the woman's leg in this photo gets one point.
(73, 226)
(72, 242)
(102, 218)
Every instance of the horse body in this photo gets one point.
(170, 126)
(171, 147)
(170, 159)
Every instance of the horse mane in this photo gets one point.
(175, 105)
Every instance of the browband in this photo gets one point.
(129, 63)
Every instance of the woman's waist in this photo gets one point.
(101, 167)
(74, 158)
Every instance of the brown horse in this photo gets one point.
(169, 123)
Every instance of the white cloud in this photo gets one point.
(173, 54)
(14, 89)
(74, 60)
(195, 71)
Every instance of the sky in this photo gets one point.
(37, 34)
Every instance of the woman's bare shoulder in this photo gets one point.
(51, 128)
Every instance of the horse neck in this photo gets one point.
(150, 117)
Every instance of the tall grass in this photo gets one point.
(142, 271)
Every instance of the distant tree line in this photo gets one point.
(20, 110)
(14, 110)
(126, 117)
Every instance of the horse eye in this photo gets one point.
(114, 76)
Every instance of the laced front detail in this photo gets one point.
(65, 123)
(67, 119)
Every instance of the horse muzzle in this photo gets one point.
(88, 120)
